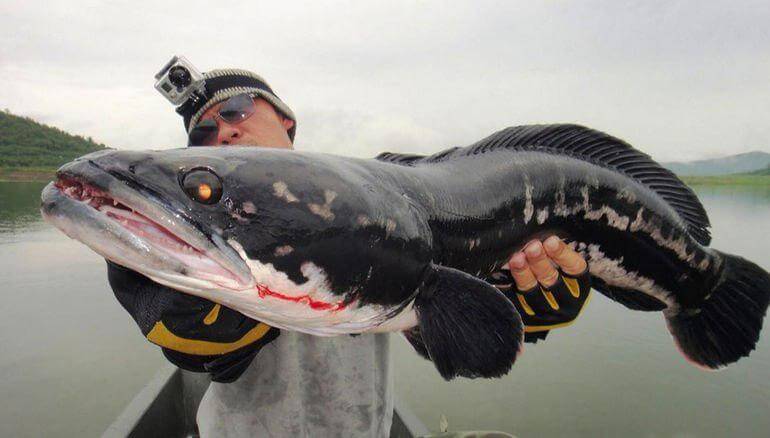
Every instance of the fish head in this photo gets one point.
(181, 217)
(297, 240)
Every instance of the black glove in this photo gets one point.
(544, 309)
(195, 334)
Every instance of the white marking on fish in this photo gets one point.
(404, 320)
(298, 316)
(324, 210)
(238, 217)
(626, 194)
(560, 208)
(613, 273)
(614, 219)
(529, 208)
(678, 245)
(363, 220)
(586, 201)
(281, 190)
(249, 207)
(542, 215)
(637, 223)
(283, 250)
(390, 226)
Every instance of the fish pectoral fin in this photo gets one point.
(467, 326)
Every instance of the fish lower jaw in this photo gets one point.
(137, 236)
(196, 262)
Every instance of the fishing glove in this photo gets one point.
(195, 334)
(543, 309)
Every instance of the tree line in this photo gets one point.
(27, 143)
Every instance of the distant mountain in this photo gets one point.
(27, 143)
(765, 171)
(741, 163)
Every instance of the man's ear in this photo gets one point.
(287, 123)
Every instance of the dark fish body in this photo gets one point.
(609, 217)
(329, 245)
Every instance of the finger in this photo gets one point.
(540, 265)
(522, 275)
(563, 255)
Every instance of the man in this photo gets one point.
(301, 385)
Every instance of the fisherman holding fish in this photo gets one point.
(303, 385)
(270, 238)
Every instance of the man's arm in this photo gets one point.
(195, 334)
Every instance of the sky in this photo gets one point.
(679, 80)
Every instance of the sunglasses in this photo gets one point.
(233, 111)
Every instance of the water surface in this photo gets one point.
(72, 358)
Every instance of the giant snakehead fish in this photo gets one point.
(330, 245)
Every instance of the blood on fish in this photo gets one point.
(305, 299)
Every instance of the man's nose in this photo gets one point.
(228, 134)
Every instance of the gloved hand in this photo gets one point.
(195, 334)
(548, 283)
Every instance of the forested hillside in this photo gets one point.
(27, 143)
(739, 163)
(765, 171)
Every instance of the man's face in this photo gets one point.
(266, 127)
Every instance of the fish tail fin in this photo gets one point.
(468, 327)
(726, 326)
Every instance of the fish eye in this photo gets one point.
(202, 185)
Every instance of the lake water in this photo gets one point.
(72, 358)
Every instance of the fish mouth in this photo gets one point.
(135, 227)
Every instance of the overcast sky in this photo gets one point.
(678, 79)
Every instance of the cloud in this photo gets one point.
(678, 79)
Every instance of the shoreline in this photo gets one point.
(727, 180)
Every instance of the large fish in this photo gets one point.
(328, 245)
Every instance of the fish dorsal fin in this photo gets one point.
(598, 148)
(396, 158)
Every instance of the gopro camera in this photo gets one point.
(179, 80)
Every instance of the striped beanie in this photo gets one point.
(222, 84)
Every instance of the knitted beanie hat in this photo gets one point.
(223, 84)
